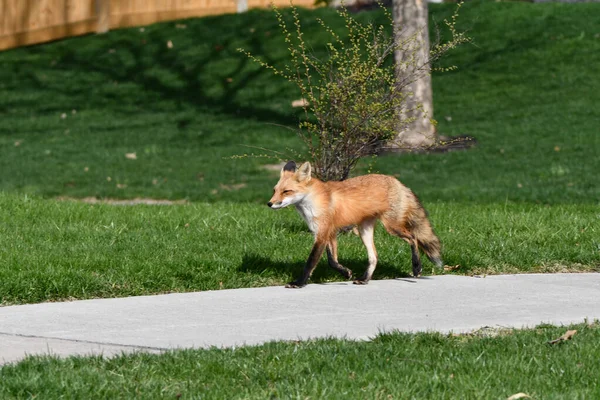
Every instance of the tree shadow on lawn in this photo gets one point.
(259, 265)
(204, 72)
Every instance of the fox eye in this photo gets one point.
(287, 191)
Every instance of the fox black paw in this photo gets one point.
(295, 285)
(360, 282)
(347, 273)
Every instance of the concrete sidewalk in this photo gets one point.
(252, 316)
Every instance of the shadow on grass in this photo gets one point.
(295, 226)
(260, 265)
(202, 69)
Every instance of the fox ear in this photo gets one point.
(290, 167)
(304, 172)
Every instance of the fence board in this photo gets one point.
(24, 22)
(140, 12)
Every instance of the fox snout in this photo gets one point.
(274, 204)
(277, 204)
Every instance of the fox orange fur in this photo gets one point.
(329, 206)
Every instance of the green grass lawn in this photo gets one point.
(391, 366)
(72, 110)
(524, 200)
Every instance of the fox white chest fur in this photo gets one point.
(308, 211)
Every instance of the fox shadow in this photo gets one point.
(261, 265)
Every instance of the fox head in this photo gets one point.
(292, 186)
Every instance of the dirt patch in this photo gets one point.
(574, 268)
(233, 186)
(486, 332)
(444, 145)
(127, 202)
(274, 167)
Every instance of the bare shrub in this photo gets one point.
(355, 100)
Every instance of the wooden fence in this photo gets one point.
(24, 22)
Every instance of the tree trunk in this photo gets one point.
(411, 17)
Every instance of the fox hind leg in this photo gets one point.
(403, 231)
(417, 267)
(366, 230)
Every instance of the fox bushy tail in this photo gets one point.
(429, 243)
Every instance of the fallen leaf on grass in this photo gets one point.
(131, 156)
(300, 103)
(451, 267)
(519, 396)
(567, 336)
(169, 44)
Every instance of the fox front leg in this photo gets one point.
(311, 263)
(333, 260)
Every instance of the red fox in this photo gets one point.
(329, 206)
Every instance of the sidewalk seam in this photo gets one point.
(84, 341)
